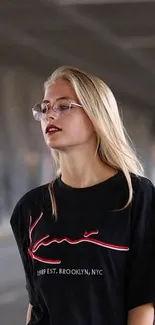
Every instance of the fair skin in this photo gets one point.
(80, 166)
(142, 315)
(29, 311)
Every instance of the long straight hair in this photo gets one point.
(115, 147)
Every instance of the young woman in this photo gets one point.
(87, 239)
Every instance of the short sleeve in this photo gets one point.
(141, 259)
(20, 231)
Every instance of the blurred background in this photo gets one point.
(111, 38)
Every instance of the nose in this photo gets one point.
(51, 114)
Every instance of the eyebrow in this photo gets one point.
(48, 101)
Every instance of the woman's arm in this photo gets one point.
(29, 311)
(140, 271)
(141, 315)
(20, 225)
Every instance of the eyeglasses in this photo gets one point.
(61, 107)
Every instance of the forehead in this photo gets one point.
(61, 88)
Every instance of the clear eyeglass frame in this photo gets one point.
(41, 109)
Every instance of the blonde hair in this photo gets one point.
(114, 145)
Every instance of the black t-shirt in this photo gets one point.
(96, 261)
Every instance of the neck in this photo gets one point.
(84, 169)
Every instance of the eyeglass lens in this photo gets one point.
(40, 110)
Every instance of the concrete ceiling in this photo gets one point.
(113, 39)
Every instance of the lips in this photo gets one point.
(52, 129)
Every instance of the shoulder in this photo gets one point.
(33, 195)
(30, 201)
(143, 203)
(142, 187)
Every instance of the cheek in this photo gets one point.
(81, 127)
(43, 126)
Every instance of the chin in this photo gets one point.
(56, 145)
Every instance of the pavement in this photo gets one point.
(13, 295)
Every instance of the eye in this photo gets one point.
(43, 110)
(44, 107)
(63, 107)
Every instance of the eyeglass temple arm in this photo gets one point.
(76, 104)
